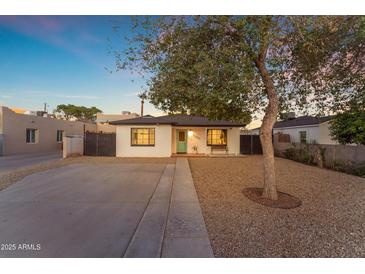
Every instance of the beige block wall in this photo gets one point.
(162, 147)
(14, 132)
(106, 128)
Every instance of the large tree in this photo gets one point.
(81, 113)
(230, 67)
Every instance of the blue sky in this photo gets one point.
(62, 60)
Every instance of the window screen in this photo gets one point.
(30, 135)
(142, 136)
(59, 136)
(217, 137)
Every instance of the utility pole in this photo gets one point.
(142, 103)
(142, 96)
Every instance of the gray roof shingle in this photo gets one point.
(178, 120)
(302, 121)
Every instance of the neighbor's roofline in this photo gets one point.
(309, 125)
(176, 124)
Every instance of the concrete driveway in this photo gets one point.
(104, 210)
(10, 163)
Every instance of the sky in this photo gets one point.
(62, 60)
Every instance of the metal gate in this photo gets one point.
(99, 144)
(250, 144)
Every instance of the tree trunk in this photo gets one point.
(268, 122)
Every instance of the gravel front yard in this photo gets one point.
(6, 179)
(329, 223)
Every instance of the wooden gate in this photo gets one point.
(250, 144)
(99, 144)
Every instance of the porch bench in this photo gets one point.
(218, 148)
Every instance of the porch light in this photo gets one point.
(190, 133)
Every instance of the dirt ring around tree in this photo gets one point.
(285, 200)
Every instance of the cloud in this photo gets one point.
(6, 96)
(67, 33)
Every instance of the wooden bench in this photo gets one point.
(218, 148)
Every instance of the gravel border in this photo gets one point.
(329, 223)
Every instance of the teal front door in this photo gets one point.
(181, 142)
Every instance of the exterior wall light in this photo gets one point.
(190, 133)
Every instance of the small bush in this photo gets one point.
(306, 156)
(360, 170)
(290, 153)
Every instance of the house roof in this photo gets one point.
(177, 120)
(302, 121)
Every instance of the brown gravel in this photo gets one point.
(329, 223)
(284, 200)
(6, 179)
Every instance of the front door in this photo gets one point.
(181, 142)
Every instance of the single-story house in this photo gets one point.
(303, 129)
(165, 136)
(306, 129)
(23, 133)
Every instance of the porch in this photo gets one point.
(204, 141)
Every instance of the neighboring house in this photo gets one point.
(21, 133)
(164, 136)
(306, 129)
(303, 129)
(103, 120)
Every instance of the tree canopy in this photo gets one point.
(81, 113)
(349, 127)
(206, 64)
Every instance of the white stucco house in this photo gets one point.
(306, 129)
(168, 135)
(303, 129)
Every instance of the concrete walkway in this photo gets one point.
(106, 210)
(172, 225)
(186, 234)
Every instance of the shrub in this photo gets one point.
(305, 155)
(359, 170)
(290, 153)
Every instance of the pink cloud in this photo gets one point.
(52, 30)
(36, 26)
(49, 23)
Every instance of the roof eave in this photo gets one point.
(210, 125)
